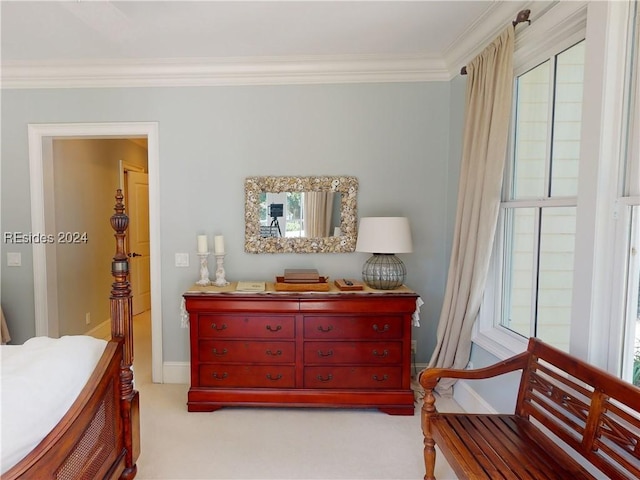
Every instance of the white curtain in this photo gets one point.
(488, 110)
(317, 214)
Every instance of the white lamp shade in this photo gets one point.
(384, 235)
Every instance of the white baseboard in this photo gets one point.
(176, 372)
(469, 399)
(416, 368)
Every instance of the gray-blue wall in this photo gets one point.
(402, 141)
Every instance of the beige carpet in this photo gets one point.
(269, 443)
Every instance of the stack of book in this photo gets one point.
(301, 275)
(301, 280)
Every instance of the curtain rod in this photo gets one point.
(523, 16)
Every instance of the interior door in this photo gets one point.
(137, 185)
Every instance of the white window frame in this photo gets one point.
(620, 358)
(561, 26)
(625, 284)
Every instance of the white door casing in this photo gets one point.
(40, 157)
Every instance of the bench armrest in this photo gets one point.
(429, 377)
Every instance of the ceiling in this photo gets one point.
(54, 36)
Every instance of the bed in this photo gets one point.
(98, 436)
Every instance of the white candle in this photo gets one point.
(203, 246)
(219, 244)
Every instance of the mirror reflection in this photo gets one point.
(300, 214)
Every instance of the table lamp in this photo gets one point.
(384, 237)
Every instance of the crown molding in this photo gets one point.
(223, 71)
(284, 70)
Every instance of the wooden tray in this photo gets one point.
(321, 286)
(342, 285)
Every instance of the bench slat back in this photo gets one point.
(595, 413)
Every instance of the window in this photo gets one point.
(287, 221)
(540, 197)
(631, 347)
(566, 261)
(630, 218)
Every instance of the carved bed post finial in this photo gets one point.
(122, 327)
(121, 290)
(119, 222)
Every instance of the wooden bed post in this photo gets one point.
(122, 328)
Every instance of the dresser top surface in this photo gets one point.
(270, 291)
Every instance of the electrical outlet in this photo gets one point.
(414, 346)
(87, 318)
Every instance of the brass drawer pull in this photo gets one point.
(217, 377)
(214, 326)
(385, 353)
(322, 354)
(384, 329)
(272, 329)
(271, 377)
(219, 354)
(383, 379)
(277, 353)
(325, 330)
(328, 378)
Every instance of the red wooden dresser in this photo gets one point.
(344, 350)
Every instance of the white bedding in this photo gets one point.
(39, 382)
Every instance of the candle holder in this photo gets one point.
(220, 280)
(204, 270)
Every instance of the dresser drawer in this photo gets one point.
(247, 376)
(243, 351)
(357, 327)
(375, 353)
(245, 326)
(353, 377)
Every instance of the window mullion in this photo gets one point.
(535, 272)
(507, 264)
(542, 202)
(550, 125)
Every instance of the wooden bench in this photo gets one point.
(560, 398)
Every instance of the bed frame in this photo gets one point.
(99, 437)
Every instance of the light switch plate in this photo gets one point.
(182, 259)
(14, 259)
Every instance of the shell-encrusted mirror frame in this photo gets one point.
(347, 186)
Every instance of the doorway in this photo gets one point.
(41, 159)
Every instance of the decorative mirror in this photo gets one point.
(300, 214)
